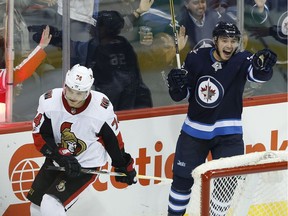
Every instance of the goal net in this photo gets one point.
(253, 184)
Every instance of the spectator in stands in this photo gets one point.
(199, 22)
(23, 71)
(256, 15)
(265, 31)
(223, 6)
(156, 53)
(115, 65)
(28, 65)
(82, 18)
(131, 10)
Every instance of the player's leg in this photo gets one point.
(225, 146)
(35, 210)
(179, 195)
(41, 183)
(50, 205)
(63, 193)
(190, 153)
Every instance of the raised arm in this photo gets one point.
(27, 67)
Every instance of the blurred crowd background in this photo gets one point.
(130, 44)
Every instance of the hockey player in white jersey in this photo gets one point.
(75, 127)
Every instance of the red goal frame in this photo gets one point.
(216, 173)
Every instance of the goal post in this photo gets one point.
(253, 184)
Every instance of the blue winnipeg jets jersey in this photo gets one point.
(215, 92)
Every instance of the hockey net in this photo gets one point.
(253, 184)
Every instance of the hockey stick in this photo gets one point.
(105, 172)
(175, 32)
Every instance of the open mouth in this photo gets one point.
(227, 53)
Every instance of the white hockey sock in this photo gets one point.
(34, 210)
(51, 206)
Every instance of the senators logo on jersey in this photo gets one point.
(70, 141)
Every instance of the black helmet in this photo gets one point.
(226, 29)
(111, 20)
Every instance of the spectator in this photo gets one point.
(157, 53)
(131, 10)
(199, 22)
(24, 70)
(223, 6)
(28, 65)
(256, 14)
(84, 19)
(115, 65)
(21, 34)
(82, 14)
(265, 31)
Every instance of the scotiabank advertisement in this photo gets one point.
(151, 141)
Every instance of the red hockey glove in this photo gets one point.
(128, 170)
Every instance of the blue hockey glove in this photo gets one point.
(264, 60)
(177, 78)
(128, 170)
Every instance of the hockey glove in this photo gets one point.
(71, 164)
(64, 158)
(264, 60)
(177, 78)
(128, 170)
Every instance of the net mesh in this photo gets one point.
(255, 193)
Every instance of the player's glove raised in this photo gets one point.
(128, 170)
(177, 78)
(64, 158)
(264, 60)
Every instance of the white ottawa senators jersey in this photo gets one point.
(75, 129)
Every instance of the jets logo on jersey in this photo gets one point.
(209, 92)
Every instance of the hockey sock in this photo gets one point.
(51, 206)
(178, 201)
(35, 210)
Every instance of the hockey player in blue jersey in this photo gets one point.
(212, 79)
